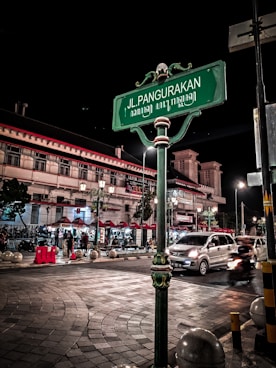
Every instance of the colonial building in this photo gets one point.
(63, 170)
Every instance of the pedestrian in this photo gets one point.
(70, 243)
(84, 242)
(115, 242)
(125, 243)
(149, 244)
(60, 238)
(57, 237)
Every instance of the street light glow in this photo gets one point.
(240, 185)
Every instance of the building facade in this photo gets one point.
(63, 170)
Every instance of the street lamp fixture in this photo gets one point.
(240, 185)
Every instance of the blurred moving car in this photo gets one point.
(258, 244)
(201, 251)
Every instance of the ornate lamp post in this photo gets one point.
(209, 213)
(101, 184)
(100, 194)
(240, 185)
(198, 210)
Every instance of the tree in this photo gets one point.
(147, 210)
(13, 198)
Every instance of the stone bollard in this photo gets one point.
(257, 312)
(112, 253)
(198, 347)
(17, 257)
(78, 253)
(7, 256)
(93, 254)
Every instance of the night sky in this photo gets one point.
(69, 63)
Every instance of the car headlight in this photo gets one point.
(193, 253)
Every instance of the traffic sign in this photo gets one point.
(181, 94)
(241, 35)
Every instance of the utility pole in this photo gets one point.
(255, 29)
(242, 219)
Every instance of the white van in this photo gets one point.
(201, 251)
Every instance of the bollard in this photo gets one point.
(269, 302)
(199, 347)
(93, 254)
(257, 312)
(265, 340)
(17, 257)
(236, 330)
(7, 255)
(79, 253)
(113, 253)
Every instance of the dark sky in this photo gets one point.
(70, 62)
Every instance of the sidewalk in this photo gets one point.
(247, 358)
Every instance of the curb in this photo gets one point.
(28, 261)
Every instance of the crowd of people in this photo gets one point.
(68, 240)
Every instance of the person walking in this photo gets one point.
(70, 243)
(115, 242)
(84, 242)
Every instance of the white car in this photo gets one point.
(258, 244)
(201, 251)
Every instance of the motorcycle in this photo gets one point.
(241, 265)
(26, 245)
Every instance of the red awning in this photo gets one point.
(62, 221)
(79, 222)
(109, 223)
(123, 224)
(134, 225)
(146, 226)
(93, 223)
(153, 226)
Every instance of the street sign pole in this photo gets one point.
(267, 192)
(161, 269)
(169, 97)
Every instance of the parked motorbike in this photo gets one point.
(241, 265)
(26, 245)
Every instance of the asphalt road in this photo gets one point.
(214, 278)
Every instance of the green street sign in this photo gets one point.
(181, 94)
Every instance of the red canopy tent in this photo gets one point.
(146, 226)
(123, 224)
(134, 225)
(109, 223)
(62, 221)
(101, 224)
(78, 222)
